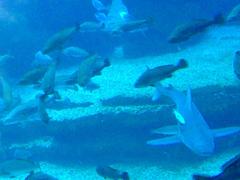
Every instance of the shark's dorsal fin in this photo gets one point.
(189, 99)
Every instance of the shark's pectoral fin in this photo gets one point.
(167, 130)
(164, 141)
(225, 131)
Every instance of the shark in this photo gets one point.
(192, 130)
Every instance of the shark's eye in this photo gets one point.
(179, 117)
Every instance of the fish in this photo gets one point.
(132, 26)
(230, 170)
(15, 167)
(234, 14)
(48, 80)
(236, 64)
(22, 113)
(98, 5)
(152, 76)
(39, 176)
(186, 31)
(42, 59)
(108, 172)
(75, 52)
(88, 68)
(33, 76)
(57, 41)
(192, 130)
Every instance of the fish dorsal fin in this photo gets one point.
(189, 99)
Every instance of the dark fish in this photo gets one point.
(236, 64)
(136, 25)
(88, 68)
(230, 171)
(57, 41)
(33, 76)
(152, 76)
(111, 173)
(39, 176)
(48, 81)
(185, 31)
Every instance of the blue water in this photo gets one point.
(109, 138)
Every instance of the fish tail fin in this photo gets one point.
(218, 19)
(182, 63)
(125, 176)
(200, 177)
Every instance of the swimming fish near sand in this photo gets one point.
(33, 76)
(236, 64)
(186, 31)
(48, 80)
(152, 76)
(88, 68)
(16, 167)
(57, 41)
(230, 171)
(108, 172)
